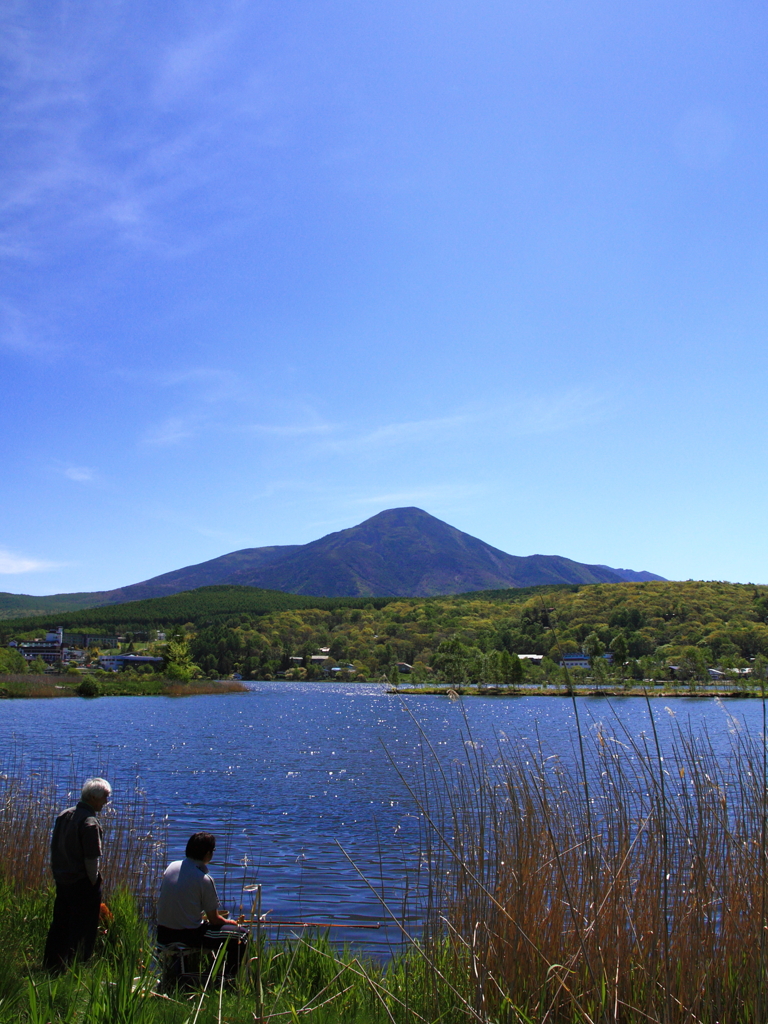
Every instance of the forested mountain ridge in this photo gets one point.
(257, 632)
(652, 623)
(404, 552)
(17, 606)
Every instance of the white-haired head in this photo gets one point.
(99, 789)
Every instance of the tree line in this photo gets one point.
(647, 627)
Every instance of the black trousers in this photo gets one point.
(206, 937)
(74, 925)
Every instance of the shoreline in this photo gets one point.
(577, 691)
(44, 687)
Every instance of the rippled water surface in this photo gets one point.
(307, 783)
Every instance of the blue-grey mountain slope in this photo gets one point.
(205, 574)
(409, 553)
(402, 552)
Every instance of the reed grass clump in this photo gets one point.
(33, 685)
(627, 883)
(134, 839)
(197, 687)
(112, 684)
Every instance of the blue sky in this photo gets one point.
(272, 267)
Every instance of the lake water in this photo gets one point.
(305, 784)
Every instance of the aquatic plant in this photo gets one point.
(628, 883)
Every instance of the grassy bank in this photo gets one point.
(282, 982)
(576, 690)
(117, 684)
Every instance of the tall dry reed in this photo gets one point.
(628, 884)
(134, 839)
(33, 685)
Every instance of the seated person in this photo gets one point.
(188, 907)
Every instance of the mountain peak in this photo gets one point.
(408, 552)
(397, 552)
(408, 514)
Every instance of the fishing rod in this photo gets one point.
(269, 921)
(262, 921)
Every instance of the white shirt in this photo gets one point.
(187, 891)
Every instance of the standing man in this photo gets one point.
(75, 853)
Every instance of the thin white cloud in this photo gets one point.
(472, 425)
(188, 522)
(209, 384)
(213, 384)
(191, 64)
(419, 496)
(176, 429)
(20, 331)
(547, 415)
(74, 177)
(12, 564)
(290, 429)
(396, 434)
(81, 474)
(554, 412)
(172, 431)
(293, 489)
(13, 329)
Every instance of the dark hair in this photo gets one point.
(200, 845)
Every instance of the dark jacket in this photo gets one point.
(76, 838)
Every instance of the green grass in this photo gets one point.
(287, 981)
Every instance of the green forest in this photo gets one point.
(20, 606)
(468, 638)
